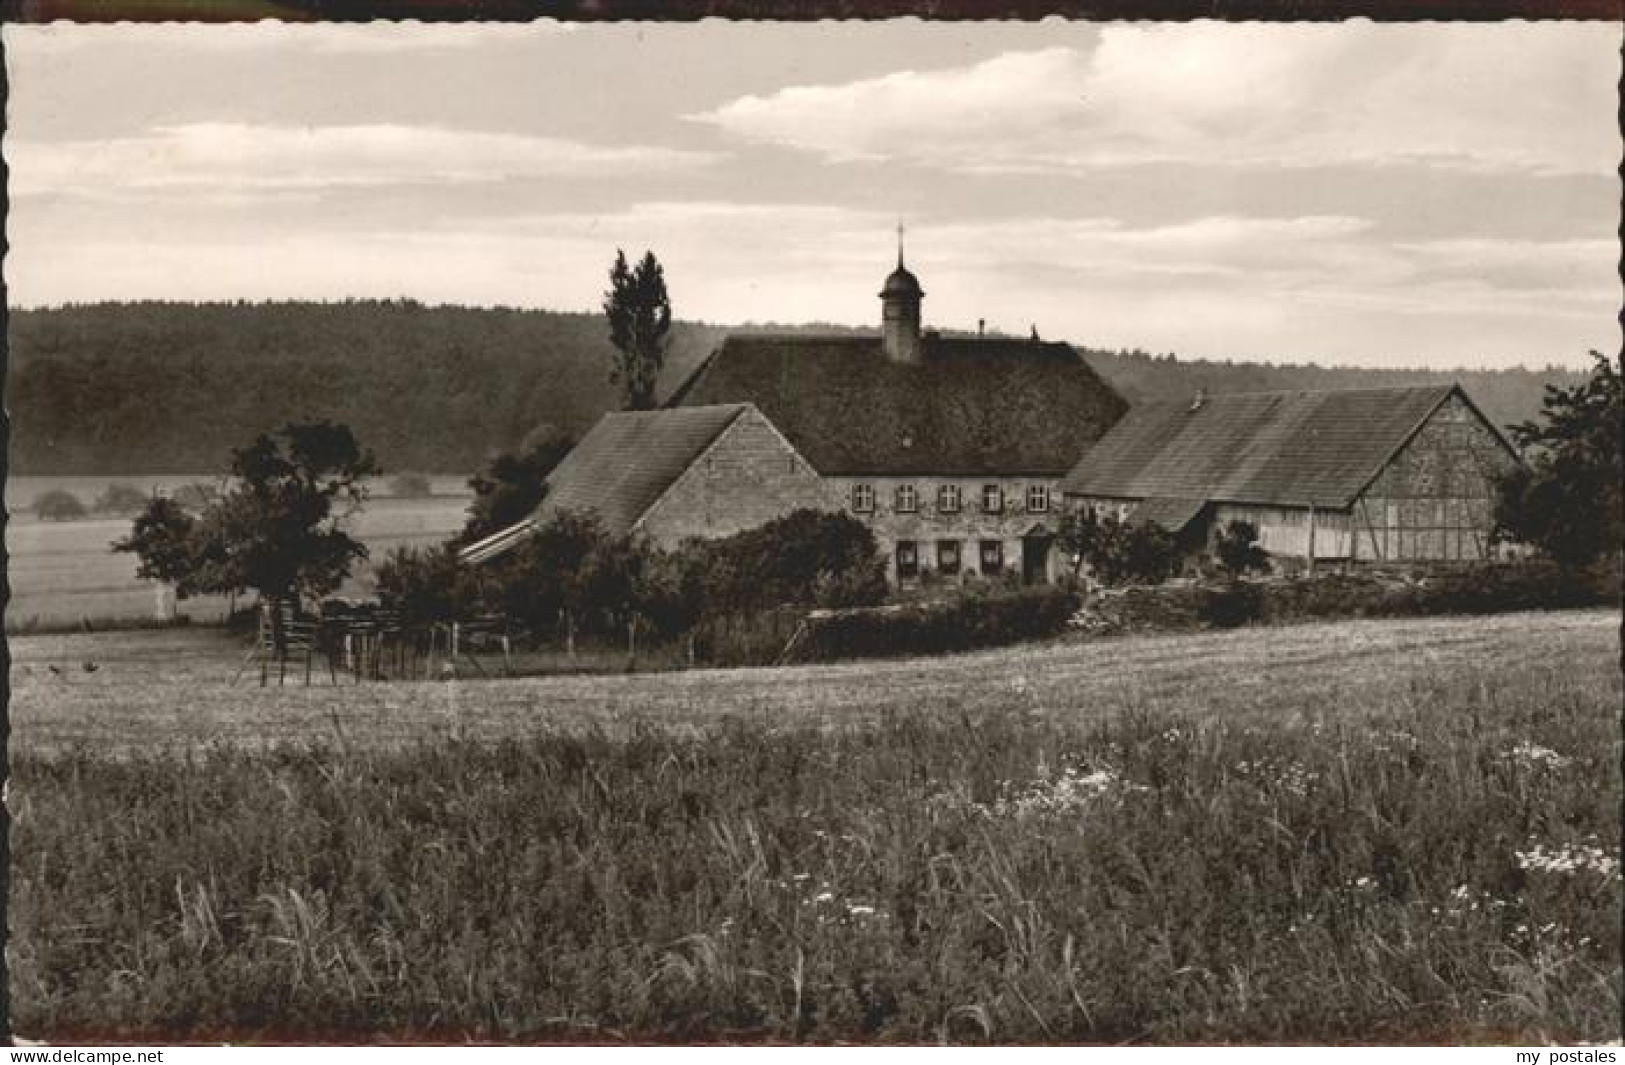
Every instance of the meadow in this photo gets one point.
(66, 573)
(1377, 831)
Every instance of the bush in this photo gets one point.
(1117, 551)
(58, 505)
(120, 499)
(1528, 585)
(1236, 603)
(757, 638)
(410, 486)
(1236, 549)
(426, 585)
(806, 558)
(972, 621)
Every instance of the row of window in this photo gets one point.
(906, 499)
(991, 553)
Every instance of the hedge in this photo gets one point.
(1491, 589)
(971, 621)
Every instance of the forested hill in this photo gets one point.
(170, 388)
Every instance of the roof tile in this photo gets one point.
(970, 407)
(1289, 448)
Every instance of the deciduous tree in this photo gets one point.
(1565, 501)
(279, 529)
(513, 485)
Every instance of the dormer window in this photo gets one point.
(863, 498)
(948, 500)
(908, 500)
(1037, 498)
(992, 499)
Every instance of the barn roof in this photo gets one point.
(619, 469)
(1286, 448)
(969, 407)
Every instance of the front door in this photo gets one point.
(1035, 559)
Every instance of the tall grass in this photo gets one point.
(1442, 867)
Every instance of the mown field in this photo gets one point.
(65, 572)
(1400, 831)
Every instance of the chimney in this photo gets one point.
(981, 326)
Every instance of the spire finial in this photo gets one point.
(899, 244)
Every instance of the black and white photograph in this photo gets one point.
(893, 533)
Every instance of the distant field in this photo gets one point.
(1371, 832)
(65, 571)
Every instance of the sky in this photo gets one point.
(1439, 195)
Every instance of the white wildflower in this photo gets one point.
(1568, 859)
(1528, 755)
(1073, 792)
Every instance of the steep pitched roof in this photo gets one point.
(620, 468)
(1286, 448)
(969, 407)
(627, 460)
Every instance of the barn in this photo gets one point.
(708, 471)
(1402, 475)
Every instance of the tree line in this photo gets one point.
(128, 388)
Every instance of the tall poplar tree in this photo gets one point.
(639, 313)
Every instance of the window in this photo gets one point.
(908, 500)
(992, 499)
(948, 556)
(908, 559)
(948, 499)
(992, 556)
(863, 498)
(1038, 498)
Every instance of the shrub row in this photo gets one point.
(1525, 585)
(962, 624)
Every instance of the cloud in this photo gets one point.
(1317, 286)
(225, 158)
(1521, 97)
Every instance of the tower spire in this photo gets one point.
(900, 310)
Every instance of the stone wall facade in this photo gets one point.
(747, 477)
(933, 529)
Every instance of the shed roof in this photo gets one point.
(1300, 448)
(619, 469)
(972, 407)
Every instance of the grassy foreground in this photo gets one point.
(1029, 846)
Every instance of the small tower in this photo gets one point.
(900, 311)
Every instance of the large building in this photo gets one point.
(951, 449)
(1385, 474)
